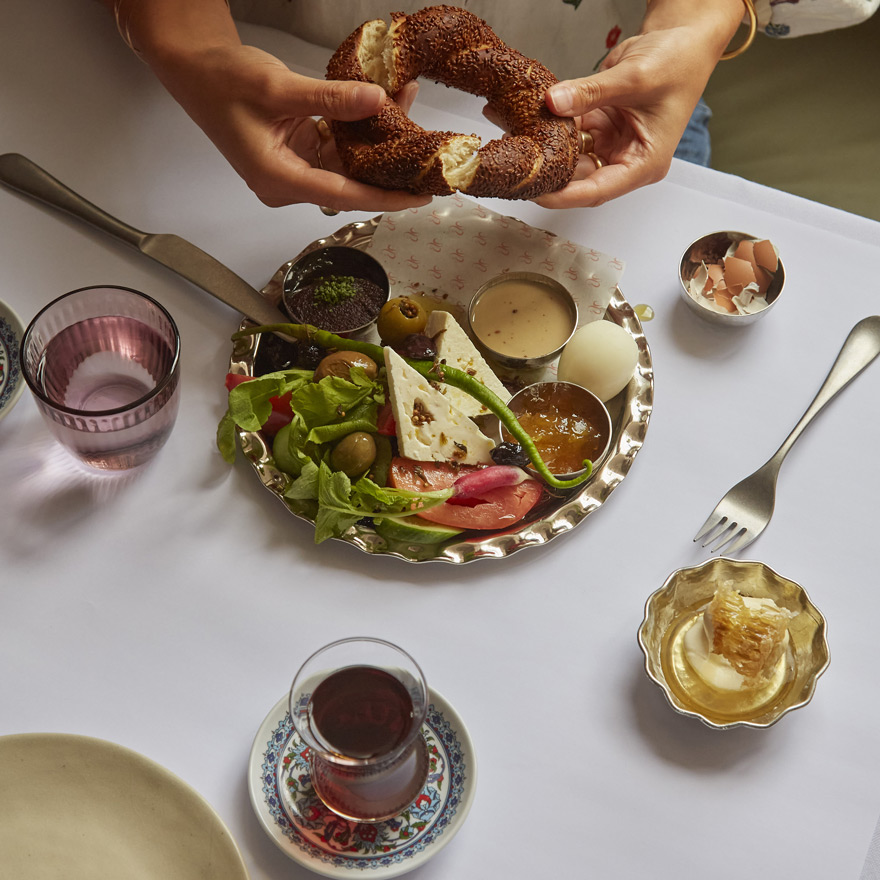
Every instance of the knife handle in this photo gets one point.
(19, 173)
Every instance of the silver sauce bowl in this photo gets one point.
(515, 362)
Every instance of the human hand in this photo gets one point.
(259, 114)
(635, 109)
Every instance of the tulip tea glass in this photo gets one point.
(103, 364)
(359, 705)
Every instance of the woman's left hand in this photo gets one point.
(635, 111)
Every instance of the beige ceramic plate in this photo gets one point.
(78, 808)
(630, 412)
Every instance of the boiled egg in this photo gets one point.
(600, 357)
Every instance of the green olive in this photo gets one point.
(399, 318)
(339, 363)
(284, 459)
(354, 453)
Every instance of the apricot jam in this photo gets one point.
(566, 423)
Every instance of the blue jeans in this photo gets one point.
(695, 145)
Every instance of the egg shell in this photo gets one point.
(745, 250)
(738, 273)
(766, 256)
(601, 357)
(716, 274)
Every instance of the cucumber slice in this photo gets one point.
(412, 530)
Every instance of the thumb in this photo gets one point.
(575, 97)
(348, 100)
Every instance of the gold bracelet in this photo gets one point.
(753, 28)
(123, 27)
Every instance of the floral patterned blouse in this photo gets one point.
(571, 37)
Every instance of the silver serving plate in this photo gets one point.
(630, 413)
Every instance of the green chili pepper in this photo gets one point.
(433, 371)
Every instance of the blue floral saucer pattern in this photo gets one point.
(326, 843)
(10, 369)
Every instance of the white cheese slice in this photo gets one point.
(455, 348)
(429, 428)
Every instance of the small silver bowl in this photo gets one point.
(671, 610)
(324, 263)
(586, 405)
(526, 318)
(711, 248)
(11, 377)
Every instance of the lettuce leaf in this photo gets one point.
(342, 503)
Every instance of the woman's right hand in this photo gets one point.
(260, 115)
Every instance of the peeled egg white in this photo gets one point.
(601, 357)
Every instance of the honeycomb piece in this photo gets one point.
(748, 633)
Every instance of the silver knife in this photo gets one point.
(177, 254)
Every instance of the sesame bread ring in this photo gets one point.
(452, 46)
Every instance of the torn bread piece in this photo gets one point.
(429, 427)
(455, 348)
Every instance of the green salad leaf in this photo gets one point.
(342, 503)
(322, 412)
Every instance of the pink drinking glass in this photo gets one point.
(103, 364)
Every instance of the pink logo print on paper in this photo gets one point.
(412, 262)
(457, 255)
(547, 265)
(616, 264)
(412, 235)
(571, 273)
(456, 228)
(526, 257)
(503, 248)
(435, 246)
(435, 218)
(480, 266)
(458, 282)
(389, 251)
(389, 223)
(435, 272)
(569, 247)
(480, 239)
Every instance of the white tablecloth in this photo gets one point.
(168, 612)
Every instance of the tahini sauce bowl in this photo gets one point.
(520, 330)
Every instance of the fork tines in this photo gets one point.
(725, 533)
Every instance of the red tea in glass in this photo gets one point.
(362, 722)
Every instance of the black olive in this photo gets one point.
(417, 347)
(309, 355)
(510, 454)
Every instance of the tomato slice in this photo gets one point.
(495, 509)
(385, 423)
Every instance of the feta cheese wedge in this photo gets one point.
(455, 348)
(429, 428)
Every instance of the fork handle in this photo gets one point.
(859, 349)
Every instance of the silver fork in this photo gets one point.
(744, 512)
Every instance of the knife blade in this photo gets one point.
(172, 251)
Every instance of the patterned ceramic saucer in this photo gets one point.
(11, 379)
(302, 827)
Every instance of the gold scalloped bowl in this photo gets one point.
(673, 609)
